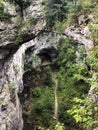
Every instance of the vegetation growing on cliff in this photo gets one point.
(74, 74)
(58, 92)
(66, 13)
(75, 112)
(4, 16)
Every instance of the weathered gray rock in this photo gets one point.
(80, 35)
(11, 82)
(11, 61)
(18, 29)
(9, 8)
(83, 19)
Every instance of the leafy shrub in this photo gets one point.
(3, 16)
(84, 113)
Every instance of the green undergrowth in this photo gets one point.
(75, 112)
(3, 15)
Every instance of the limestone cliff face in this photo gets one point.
(81, 35)
(16, 36)
(11, 82)
(11, 60)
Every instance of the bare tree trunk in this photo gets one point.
(56, 100)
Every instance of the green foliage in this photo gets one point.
(60, 26)
(93, 59)
(58, 126)
(56, 10)
(61, 13)
(93, 63)
(73, 83)
(74, 74)
(27, 24)
(43, 106)
(85, 113)
(66, 52)
(74, 80)
(94, 29)
(18, 39)
(22, 26)
(3, 16)
(12, 85)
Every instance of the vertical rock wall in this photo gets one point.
(11, 59)
(11, 81)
